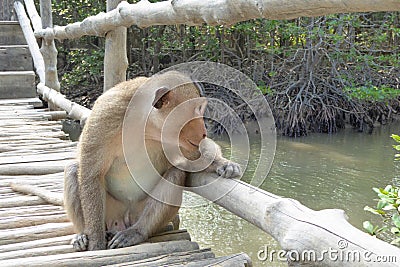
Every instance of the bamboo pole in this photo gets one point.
(31, 40)
(115, 59)
(48, 48)
(224, 12)
(297, 228)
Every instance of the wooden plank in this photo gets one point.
(38, 147)
(172, 259)
(37, 168)
(11, 34)
(37, 158)
(30, 152)
(173, 235)
(30, 233)
(51, 176)
(17, 84)
(15, 58)
(36, 102)
(35, 252)
(45, 247)
(21, 201)
(236, 260)
(35, 142)
(33, 209)
(45, 242)
(24, 138)
(19, 123)
(13, 107)
(32, 136)
(104, 257)
(33, 181)
(32, 219)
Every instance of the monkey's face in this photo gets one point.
(180, 117)
(193, 130)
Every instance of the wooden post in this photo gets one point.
(48, 48)
(115, 59)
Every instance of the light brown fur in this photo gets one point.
(94, 185)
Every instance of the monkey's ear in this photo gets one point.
(161, 97)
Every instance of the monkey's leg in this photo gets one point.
(93, 200)
(156, 213)
(72, 204)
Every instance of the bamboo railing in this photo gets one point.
(294, 226)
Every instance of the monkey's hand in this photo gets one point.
(229, 170)
(126, 238)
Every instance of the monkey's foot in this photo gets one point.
(80, 242)
(229, 170)
(126, 238)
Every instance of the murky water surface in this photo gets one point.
(321, 171)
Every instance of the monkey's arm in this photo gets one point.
(222, 166)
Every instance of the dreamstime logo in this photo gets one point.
(223, 108)
(340, 254)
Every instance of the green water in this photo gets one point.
(321, 171)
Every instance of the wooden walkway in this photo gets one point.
(34, 151)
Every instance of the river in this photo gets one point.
(321, 171)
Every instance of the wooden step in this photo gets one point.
(17, 84)
(11, 33)
(15, 58)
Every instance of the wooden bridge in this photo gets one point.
(34, 151)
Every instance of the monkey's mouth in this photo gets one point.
(192, 143)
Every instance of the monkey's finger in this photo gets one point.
(221, 170)
(80, 242)
(83, 241)
(114, 241)
(228, 171)
(236, 171)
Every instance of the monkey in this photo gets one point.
(103, 199)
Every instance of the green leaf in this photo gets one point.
(396, 137)
(374, 211)
(369, 227)
(396, 220)
(376, 190)
(388, 188)
(381, 204)
(389, 207)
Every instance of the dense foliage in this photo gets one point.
(388, 207)
(317, 73)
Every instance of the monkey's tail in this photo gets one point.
(51, 197)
